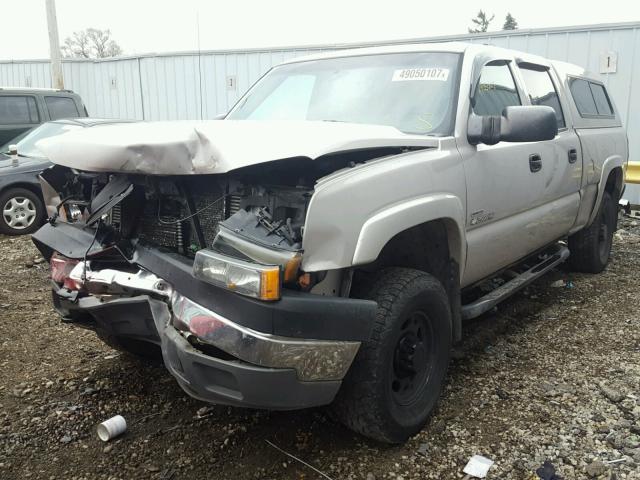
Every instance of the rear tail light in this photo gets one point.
(61, 268)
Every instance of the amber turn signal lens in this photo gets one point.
(270, 284)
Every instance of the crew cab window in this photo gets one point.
(542, 91)
(61, 107)
(18, 110)
(496, 90)
(591, 98)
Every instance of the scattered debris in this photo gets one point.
(478, 466)
(423, 449)
(562, 284)
(614, 395)
(548, 471)
(204, 412)
(111, 428)
(300, 461)
(167, 474)
(596, 468)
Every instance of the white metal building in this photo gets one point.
(193, 85)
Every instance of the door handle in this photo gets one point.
(535, 162)
(573, 155)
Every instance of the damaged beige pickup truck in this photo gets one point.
(323, 243)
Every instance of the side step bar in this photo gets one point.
(557, 255)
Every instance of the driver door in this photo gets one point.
(508, 213)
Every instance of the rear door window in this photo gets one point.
(603, 105)
(496, 90)
(18, 110)
(61, 107)
(581, 93)
(591, 98)
(542, 91)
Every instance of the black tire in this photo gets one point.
(25, 201)
(397, 376)
(591, 247)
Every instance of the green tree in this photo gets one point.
(510, 23)
(481, 22)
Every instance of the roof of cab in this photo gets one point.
(452, 47)
(35, 90)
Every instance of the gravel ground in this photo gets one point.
(553, 375)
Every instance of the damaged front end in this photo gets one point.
(208, 267)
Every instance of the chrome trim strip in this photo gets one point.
(312, 359)
(116, 282)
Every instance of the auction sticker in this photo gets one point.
(409, 74)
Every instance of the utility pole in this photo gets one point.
(57, 80)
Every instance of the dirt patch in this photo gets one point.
(553, 375)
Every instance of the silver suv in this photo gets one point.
(22, 109)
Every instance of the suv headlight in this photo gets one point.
(254, 280)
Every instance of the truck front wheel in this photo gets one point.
(397, 375)
(591, 247)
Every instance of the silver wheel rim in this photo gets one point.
(19, 213)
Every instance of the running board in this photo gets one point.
(556, 256)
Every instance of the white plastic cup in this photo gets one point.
(111, 428)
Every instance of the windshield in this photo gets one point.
(413, 92)
(27, 145)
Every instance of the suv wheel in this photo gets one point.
(22, 212)
(591, 247)
(396, 378)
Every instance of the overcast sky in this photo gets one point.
(142, 26)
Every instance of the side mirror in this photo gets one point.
(516, 124)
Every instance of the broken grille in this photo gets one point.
(165, 229)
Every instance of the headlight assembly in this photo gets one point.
(251, 279)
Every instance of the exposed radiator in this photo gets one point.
(166, 231)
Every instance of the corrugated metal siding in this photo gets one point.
(192, 86)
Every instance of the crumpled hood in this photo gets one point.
(217, 146)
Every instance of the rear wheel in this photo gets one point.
(591, 247)
(22, 212)
(396, 378)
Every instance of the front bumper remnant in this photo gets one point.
(205, 377)
(257, 369)
(311, 359)
(287, 354)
